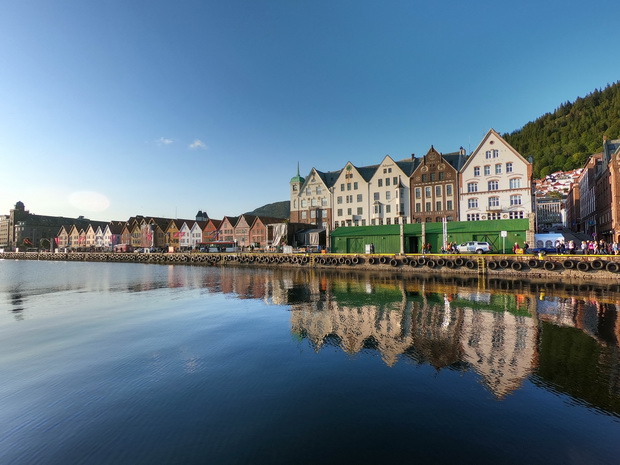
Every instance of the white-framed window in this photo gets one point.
(472, 203)
(355, 186)
(360, 210)
(515, 183)
(487, 170)
(388, 209)
(493, 201)
(349, 212)
(448, 190)
(493, 185)
(449, 205)
(324, 202)
(473, 217)
(304, 215)
(314, 202)
(339, 212)
(516, 215)
(509, 167)
(515, 200)
(376, 196)
(304, 203)
(438, 206)
(418, 207)
(476, 171)
(387, 181)
(437, 191)
(428, 207)
(380, 182)
(388, 195)
(498, 168)
(427, 191)
(312, 213)
(472, 187)
(418, 193)
(318, 190)
(360, 197)
(488, 154)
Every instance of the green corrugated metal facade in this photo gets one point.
(386, 239)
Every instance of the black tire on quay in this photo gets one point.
(549, 266)
(598, 264)
(470, 264)
(612, 267)
(393, 262)
(569, 264)
(492, 265)
(516, 266)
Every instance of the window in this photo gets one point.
(493, 216)
(303, 215)
(418, 207)
(427, 191)
(339, 199)
(515, 200)
(515, 183)
(355, 185)
(380, 182)
(438, 206)
(348, 186)
(376, 196)
(493, 185)
(493, 202)
(388, 221)
(476, 171)
(448, 189)
(341, 187)
(428, 207)
(349, 211)
(473, 217)
(339, 212)
(359, 197)
(424, 178)
(449, 205)
(472, 203)
(432, 177)
(394, 181)
(516, 215)
(387, 181)
(308, 191)
(378, 208)
(360, 210)
(324, 202)
(472, 187)
(437, 191)
(509, 167)
(388, 195)
(418, 192)
(442, 175)
(487, 170)
(488, 154)
(495, 153)
(304, 203)
(498, 168)
(388, 209)
(318, 190)
(312, 213)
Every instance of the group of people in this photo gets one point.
(600, 247)
(450, 247)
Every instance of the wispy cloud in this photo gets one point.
(164, 141)
(198, 144)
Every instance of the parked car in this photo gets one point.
(474, 247)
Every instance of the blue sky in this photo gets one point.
(163, 108)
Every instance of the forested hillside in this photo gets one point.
(564, 139)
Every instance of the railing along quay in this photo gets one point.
(601, 266)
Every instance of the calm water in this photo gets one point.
(143, 364)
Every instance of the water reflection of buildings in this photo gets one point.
(434, 328)
(506, 335)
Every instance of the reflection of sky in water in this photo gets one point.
(141, 360)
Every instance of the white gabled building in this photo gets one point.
(311, 198)
(495, 182)
(389, 190)
(351, 196)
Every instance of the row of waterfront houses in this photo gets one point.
(494, 182)
(244, 231)
(23, 230)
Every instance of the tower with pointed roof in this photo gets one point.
(295, 188)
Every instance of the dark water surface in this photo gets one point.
(107, 363)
